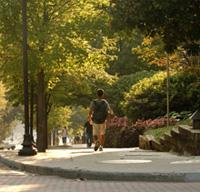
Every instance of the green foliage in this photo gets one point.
(59, 118)
(147, 99)
(73, 118)
(151, 51)
(122, 85)
(185, 91)
(67, 39)
(183, 115)
(159, 132)
(78, 119)
(2, 97)
(162, 17)
(127, 61)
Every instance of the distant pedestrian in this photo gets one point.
(98, 113)
(64, 135)
(77, 139)
(88, 133)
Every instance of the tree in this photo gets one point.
(175, 21)
(2, 97)
(66, 38)
(122, 85)
(61, 44)
(126, 60)
(147, 98)
(59, 117)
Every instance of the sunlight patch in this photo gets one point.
(126, 161)
(186, 162)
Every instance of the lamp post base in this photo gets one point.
(27, 149)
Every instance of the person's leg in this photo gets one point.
(96, 136)
(63, 140)
(102, 139)
(89, 140)
(86, 137)
(102, 136)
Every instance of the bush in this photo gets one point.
(147, 99)
(183, 115)
(120, 133)
(122, 136)
(155, 123)
(122, 85)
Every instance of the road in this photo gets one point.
(17, 181)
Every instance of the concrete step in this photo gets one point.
(145, 142)
(175, 133)
(188, 133)
(165, 143)
(185, 130)
(170, 139)
(156, 145)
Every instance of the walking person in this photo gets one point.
(98, 113)
(88, 133)
(64, 135)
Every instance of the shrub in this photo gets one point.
(154, 123)
(122, 85)
(121, 133)
(183, 115)
(147, 99)
(122, 136)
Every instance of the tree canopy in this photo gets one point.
(73, 44)
(176, 21)
(65, 39)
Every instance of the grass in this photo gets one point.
(159, 132)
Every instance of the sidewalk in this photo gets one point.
(127, 164)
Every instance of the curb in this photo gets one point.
(104, 176)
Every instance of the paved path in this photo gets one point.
(25, 182)
(129, 164)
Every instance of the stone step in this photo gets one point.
(145, 141)
(170, 139)
(156, 145)
(184, 130)
(189, 133)
(175, 133)
(162, 140)
(167, 146)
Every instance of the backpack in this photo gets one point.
(100, 111)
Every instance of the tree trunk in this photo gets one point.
(41, 114)
(31, 110)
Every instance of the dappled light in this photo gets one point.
(22, 187)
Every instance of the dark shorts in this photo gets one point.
(64, 139)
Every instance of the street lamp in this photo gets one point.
(27, 149)
(168, 76)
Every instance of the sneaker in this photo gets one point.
(100, 148)
(97, 144)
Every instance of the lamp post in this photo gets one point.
(27, 149)
(168, 76)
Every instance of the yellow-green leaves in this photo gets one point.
(2, 97)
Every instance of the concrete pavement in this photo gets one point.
(127, 164)
(18, 181)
